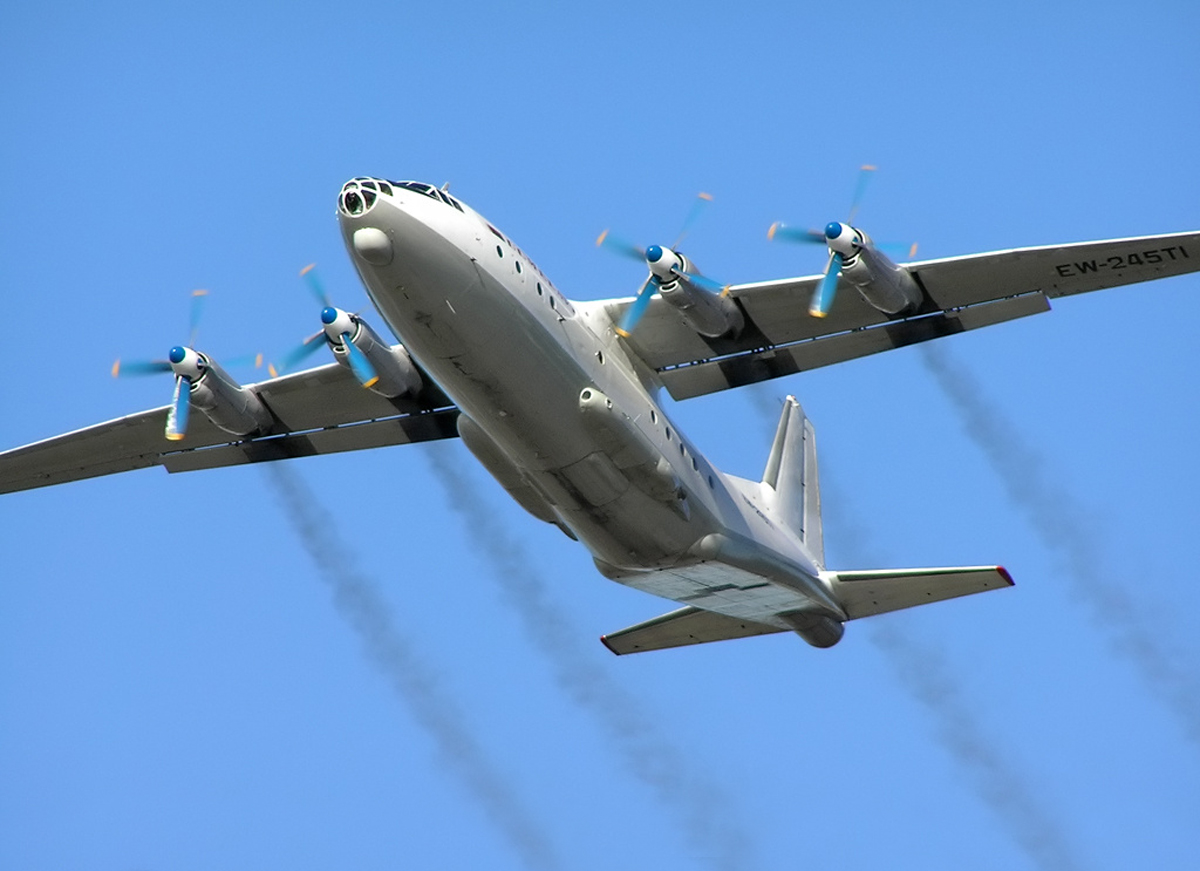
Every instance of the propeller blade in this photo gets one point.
(361, 366)
(864, 176)
(139, 367)
(624, 247)
(194, 315)
(702, 200)
(899, 250)
(309, 273)
(780, 230)
(303, 350)
(703, 282)
(823, 298)
(255, 360)
(634, 313)
(177, 418)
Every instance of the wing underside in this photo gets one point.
(961, 293)
(318, 411)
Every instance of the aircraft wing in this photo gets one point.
(318, 411)
(962, 293)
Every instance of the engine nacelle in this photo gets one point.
(233, 408)
(884, 285)
(397, 374)
(709, 314)
(819, 630)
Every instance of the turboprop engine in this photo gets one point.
(883, 284)
(199, 381)
(701, 301)
(388, 371)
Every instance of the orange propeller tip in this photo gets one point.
(199, 293)
(175, 436)
(622, 333)
(817, 313)
(771, 231)
(912, 252)
(258, 361)
(705, 196)
(307, 269)
(725, 290)
(600, 239)
(870, 167)
(272, 371)
(371, 383)
(116, 367)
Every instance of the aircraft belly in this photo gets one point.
(505, 359)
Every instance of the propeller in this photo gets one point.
(842, 240)
(665, 265)
(184, 361)
(338, 329)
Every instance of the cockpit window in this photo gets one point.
(427, 190)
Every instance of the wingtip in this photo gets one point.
(1003, 572)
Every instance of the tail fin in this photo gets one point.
(790, 483)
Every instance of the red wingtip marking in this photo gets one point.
(604, 641)
(1004, 574)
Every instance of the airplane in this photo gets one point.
(561, 401)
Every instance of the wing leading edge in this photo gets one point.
(961, 293)
(318, 411)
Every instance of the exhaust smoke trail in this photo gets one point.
(925, 673)
(1062, 524)
(647, 754)
(364, 607)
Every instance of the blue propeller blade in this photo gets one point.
(780, 230)
(317, 289)
(197, 308)
(864, 176)
(823, 298)
(177, 418)
(703, 282)
(621, 246)
(302, 351)
(363, 370)
(140, 367)
(702, 200)
(634, 313)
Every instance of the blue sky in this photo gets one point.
(178, 688)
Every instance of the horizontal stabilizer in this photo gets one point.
(863, 594)
(681, 628)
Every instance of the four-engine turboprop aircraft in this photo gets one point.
(559, 400)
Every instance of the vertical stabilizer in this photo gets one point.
(790, 483)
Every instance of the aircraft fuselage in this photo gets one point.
(551, 386)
